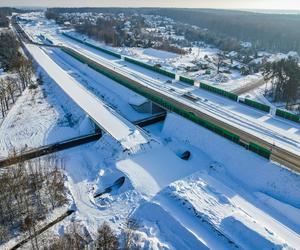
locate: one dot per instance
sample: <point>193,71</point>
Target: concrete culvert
<point>185,155</point>
<point>116,185</point>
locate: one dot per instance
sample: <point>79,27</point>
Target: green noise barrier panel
<point>260,150</point>
<point>150,67</point>
<point>109,52</point>
<point>219,91</point>
<point>256,105</point>
<point>287,115</point>
<point>187,80</point>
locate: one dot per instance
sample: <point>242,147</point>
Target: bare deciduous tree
<point>106,240</point>
<point>24,199</point>
<point>129,233</point>
<point>25,72</point>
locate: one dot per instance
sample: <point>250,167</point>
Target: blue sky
<point>227,4</point>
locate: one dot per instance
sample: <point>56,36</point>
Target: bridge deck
<point>121,129</point>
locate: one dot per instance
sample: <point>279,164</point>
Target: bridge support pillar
<point>147,107</point>
<point>88,126</point>
<point>155,108</point>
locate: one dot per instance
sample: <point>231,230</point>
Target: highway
<point>225,110</point>
<point>284,146</point>
<point>152,170</point>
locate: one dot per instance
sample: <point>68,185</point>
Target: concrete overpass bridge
<point>130,136</point>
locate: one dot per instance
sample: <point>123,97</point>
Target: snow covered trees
<point>25,199</point>
<point>285,78</point>
<point>9,51</point>
<point>11,87</point>
<point>77,237</point>
<point>8,91</point>
<point>72,239</point>
<point>4,13</point>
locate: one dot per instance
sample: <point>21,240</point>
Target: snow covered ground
<point>33,121</point>
<point>209,202</point>
<point>115,95</point>
<point>223,197</point>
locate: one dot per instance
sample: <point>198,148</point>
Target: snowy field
<point>33,121</point>
<point>223,197</point>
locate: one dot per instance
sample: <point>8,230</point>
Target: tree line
<point>5,12</point>
<point>284,76</point>
<point>77,238</point>
<point>30,190</point>
<point>20,67</point>
<point>272,32</point>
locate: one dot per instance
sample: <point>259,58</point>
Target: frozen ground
<point>33,121</point>
<point>223,197</point>
<point>214,199</point>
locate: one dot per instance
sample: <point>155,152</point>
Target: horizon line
<point>145,7</point>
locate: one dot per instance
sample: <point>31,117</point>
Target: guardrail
<point>153,97</point>
<point>235,134</point>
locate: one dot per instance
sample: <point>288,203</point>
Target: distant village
<point>163,33</point>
